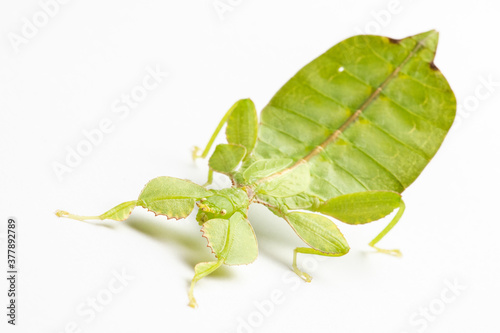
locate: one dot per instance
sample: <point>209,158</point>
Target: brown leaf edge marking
<point>209,245</point>
<point>168,217</point>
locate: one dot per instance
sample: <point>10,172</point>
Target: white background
<point>65,78</point>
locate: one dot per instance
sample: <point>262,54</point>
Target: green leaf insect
<point>343,138</point>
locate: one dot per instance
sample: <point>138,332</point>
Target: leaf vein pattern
<point>287,134</point>
<point>298,114</point>
<point>328,182</point>
<point>305,84</point>
<point>348,172</point>
<point>415,150</point>
<point>404,108</point>
<point>374,160</point>
<point>413,78</point>
<point>272,146</point>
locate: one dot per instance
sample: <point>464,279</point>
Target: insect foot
<point>303,275</point>
<point>196,150</point>
<point>61,213</point>
<point>394,252</point>
<point>192,303</point>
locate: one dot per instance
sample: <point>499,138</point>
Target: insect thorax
<point>223,204</point>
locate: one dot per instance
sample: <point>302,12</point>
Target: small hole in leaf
<point>341,69</point>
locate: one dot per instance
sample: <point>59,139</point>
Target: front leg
<point>242,125</point>
<point>205,152</point>
<point>241,134</point>
<point>232,241</point>
<point>169,196</point>
<point>225,160</point>
<point>200,271</point>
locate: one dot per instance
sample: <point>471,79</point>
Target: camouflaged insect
<point>344,137</point>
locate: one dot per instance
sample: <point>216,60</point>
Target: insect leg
<point>317,231</point>
<point>381,235</point>
<point>118,213</point>
<point>365,207</point>
<point>233,243</point>
<point>307,250</point>
<point>214,136</point>
<point>210,177</point>
<point>201,270</point>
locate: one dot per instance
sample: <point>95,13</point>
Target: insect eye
<point>223,212</point>
<point>203,207</point>
<point>203,199</point>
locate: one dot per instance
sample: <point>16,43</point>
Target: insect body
<point>344,138</point>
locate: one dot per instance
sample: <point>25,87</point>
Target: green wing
<point>368,114</point>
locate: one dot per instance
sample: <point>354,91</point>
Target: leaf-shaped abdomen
<point>379,109</point>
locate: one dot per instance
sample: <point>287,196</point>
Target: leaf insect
<point>344,137</point>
